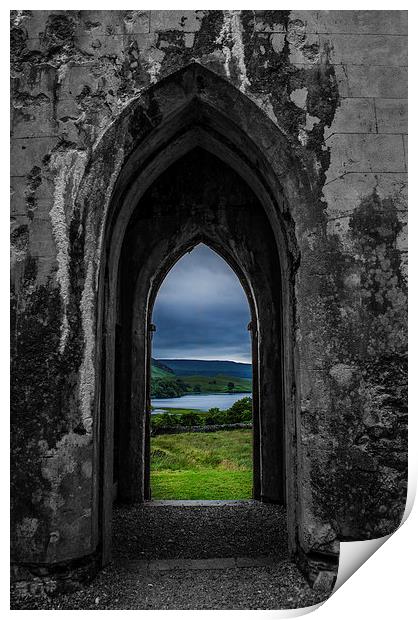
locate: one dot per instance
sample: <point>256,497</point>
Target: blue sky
<point>201,311</point>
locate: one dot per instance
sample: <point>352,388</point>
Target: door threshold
<point>199,502</point>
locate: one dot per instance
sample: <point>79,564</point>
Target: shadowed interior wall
<point>310,108</point>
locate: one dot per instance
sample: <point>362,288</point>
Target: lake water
<point>203,402</point>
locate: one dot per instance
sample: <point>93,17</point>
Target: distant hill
<point>171,378</point>
<point>208,368</point>
<point>160,371</point>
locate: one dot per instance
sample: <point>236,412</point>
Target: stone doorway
<point>198,199</point>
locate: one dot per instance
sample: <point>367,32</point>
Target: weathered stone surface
<point>309,108</point>
<point>29,151</point>
<point>344,194</point>
<point>353,49</point>
<point>354,22</point>
<point>372,81</point>
<point>405,148</point>
<point>188,21</point>
<point>354,116</point>
<point>392,115</point>
<point>365,153</point>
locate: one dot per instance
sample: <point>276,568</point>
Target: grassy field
<point>202,465</point>
<point>218,383</point>
<point>178,410</point>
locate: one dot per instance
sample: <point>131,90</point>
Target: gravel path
<point>277,587</point>
<point>251,571</point>
<point>245,528</point>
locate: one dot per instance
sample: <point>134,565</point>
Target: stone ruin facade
<point>279,139</point>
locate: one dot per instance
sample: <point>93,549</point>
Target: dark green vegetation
<point>160,370</point>
<point>202,465</point>
<point>172,386</point>
<point>240,411</point>
<point>219,383</point>
<point>166,383</point>
<point>168,387</point>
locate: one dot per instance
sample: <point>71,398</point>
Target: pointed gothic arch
<point>192,110</point>
<point>163,269</point>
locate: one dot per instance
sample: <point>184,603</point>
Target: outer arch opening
<point>124,213</point>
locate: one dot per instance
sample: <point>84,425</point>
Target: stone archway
<point>199,199</point>
<point>196,124</point>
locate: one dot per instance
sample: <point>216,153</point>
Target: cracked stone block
<point>365,153</point>
<point>385,50</point>
<point>392,115</point>
<point>353,115</point>
<point>376,81</point>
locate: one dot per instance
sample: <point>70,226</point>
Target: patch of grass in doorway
<point>202,465</point>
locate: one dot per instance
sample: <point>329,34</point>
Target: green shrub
<point>162,420</point>
<point>239,412</point>
<point>213,416</point>
<point>191,418</point>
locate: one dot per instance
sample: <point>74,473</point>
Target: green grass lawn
<point>202,465</point>
<point>178,410</point>
<point>219,383</point>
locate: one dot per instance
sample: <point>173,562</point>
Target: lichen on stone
<point>231,40</point>
<point>68,165</point>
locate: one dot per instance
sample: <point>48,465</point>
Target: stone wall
<point>333,83</point>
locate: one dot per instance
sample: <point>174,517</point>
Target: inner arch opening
<point>201,383</point>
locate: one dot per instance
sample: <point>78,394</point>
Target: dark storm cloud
<point>201,311</point>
